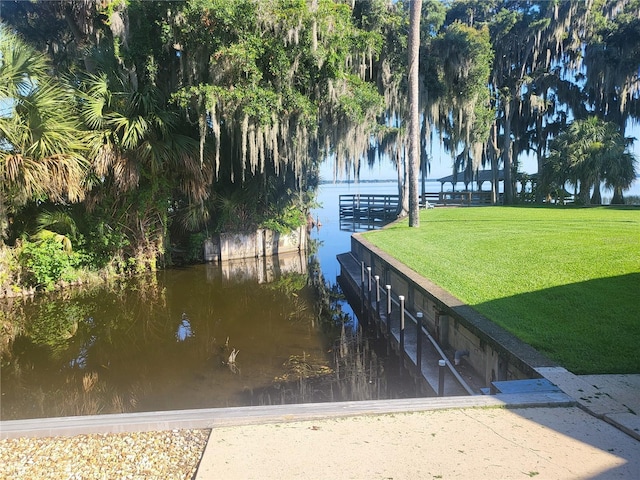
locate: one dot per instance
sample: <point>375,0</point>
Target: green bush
<point>632,200</point>
<point>195,249</point>
<point>103,246</point>
<point>45,262</point>
<point>289,219</point>
<point>9,268</point>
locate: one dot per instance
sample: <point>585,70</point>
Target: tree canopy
<point>147,123</point>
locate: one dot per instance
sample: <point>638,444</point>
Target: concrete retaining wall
<point>494,353</point>
<point>261,243</point>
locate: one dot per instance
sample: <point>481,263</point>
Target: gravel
<point>173,454</point>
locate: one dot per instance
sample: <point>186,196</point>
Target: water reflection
<point>360,370</point>
<point>163,342</point>
<point>184,329</point>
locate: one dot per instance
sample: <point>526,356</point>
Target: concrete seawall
<point>261,243</point>
<point>493,353</point>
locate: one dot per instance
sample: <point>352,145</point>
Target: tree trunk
<point>583,193</point>
<point>596,197</point>
<point>618,198</point>
<point>4,220</point>
<point>507,152</point>
<point>493,153</point>
<point>314,27</point>
<point>403,203</point>
<point>540,150</point>
<point>414,112</point>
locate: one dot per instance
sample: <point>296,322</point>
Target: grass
<point>564,280</point>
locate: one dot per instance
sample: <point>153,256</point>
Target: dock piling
<point>401,298</point>
<point>442,364</point>
<point>388,287</point>
<point>362,286</point>
<point>377,279</point>
<point>419,342</point>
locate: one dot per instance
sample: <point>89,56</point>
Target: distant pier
<point>367,211</point>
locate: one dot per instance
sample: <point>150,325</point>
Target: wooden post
<point>419,342</point>
<point>442,365</point>
<point>362,286</point>
<point>377,279</point>
<point>401,298</point>
<point>388,287</point>
<point>369,286</point>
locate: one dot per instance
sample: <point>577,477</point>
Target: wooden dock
<point>419,351</point>
<point>367,211</point>
<point>361,212</point>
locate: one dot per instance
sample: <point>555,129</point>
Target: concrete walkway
<point>612,398</point>
<point>590,434</point>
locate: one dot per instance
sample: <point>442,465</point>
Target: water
<point>169,341</point>
<point>157,344</point>
<point>334,240</point>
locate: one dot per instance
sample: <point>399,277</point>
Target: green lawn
<point>564,280</point>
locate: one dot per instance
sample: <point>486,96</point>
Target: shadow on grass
<point>587,327</point>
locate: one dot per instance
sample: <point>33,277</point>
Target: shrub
<point>289,219</point>
<point>45,262</point>
<point>632,200</point>
<point>9,268</point>
<point>195,252</point>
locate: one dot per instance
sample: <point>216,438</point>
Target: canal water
<point>246,333</point>
<point>334,235</point>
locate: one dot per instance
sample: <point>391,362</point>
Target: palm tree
<point>41,143</point>
<point>619,172</point>
<point>589,152</point>
<point>554,174</point>
<point>140,158</point>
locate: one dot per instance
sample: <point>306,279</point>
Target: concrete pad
<point>591,397</point>
<point>614,398</point>
<point>470,443</point>
<point>625,389</point>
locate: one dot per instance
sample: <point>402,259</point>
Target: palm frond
<point>59,221</point>
<point>44,235</point>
